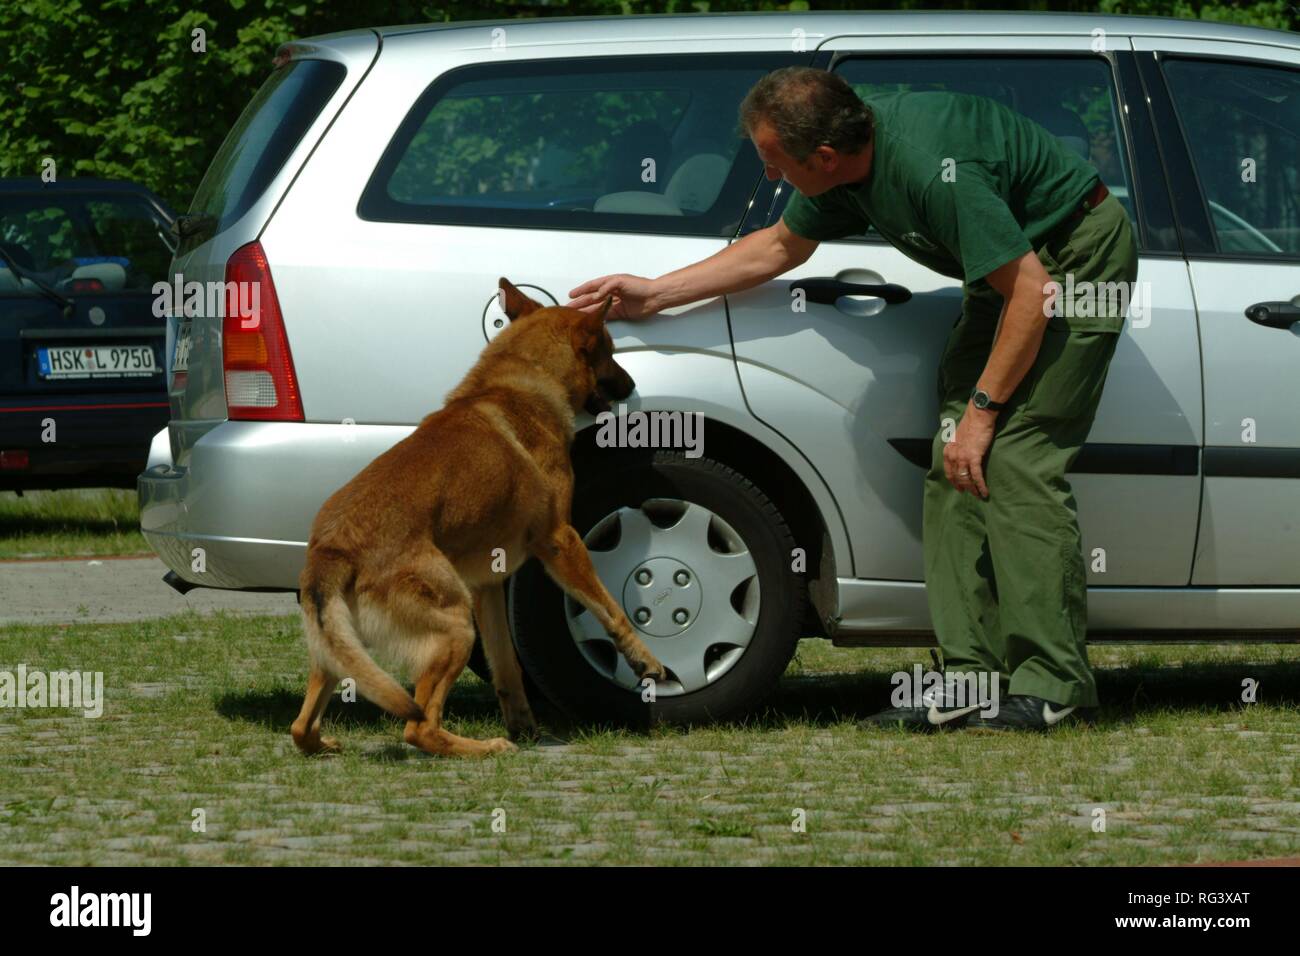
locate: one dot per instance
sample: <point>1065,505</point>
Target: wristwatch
<point>980,399</point>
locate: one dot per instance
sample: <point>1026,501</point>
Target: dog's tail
<point>333,640</point>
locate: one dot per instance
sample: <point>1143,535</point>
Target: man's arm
<point>1022,284</point>
<point>748,262</point>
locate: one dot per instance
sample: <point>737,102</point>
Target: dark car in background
<point>82,355</point>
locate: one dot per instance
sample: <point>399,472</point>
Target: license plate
<point>96,361</point>
<point>181,358</point>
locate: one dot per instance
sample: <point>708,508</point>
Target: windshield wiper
<point>45,288</point>
<point>196,227</point>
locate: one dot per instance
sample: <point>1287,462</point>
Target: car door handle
<point>1274,315</point>
<point>825,291</point>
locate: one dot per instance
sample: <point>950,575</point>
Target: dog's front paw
<point>499,745</point>
<point>646,666</point>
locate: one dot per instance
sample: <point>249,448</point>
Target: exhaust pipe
<point>181,586</point>
<point>178,583</point>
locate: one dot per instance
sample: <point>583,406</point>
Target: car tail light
<point>87,285</point>
<point>16,460</point>
<point>260,380</point>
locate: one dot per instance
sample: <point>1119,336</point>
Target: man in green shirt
<point>975,191</point>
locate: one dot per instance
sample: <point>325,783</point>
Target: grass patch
<point>198,708</point>
<point>70,523</point>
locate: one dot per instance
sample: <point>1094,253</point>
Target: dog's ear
<point>513,302</point>
<point>587,331</point>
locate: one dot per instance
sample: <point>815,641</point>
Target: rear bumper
<point>238,512</point>
<point>75,442</point>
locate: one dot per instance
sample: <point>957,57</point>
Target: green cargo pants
<point>1005,577</point>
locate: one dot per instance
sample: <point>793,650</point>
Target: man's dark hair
<point>808,108</point>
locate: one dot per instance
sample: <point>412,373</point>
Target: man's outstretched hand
<point>633,296</point>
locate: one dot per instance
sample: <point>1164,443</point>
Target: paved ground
<point>111,590</point>
<point>191,762</point>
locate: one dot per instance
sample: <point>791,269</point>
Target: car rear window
<point>66,236</point>
<point>260,142</point>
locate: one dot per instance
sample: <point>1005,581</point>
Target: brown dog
<point>427,533</point>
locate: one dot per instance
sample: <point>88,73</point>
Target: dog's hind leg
<point>430,605</point>
<point>450,650</point>
<point>507,679</point>
<point>306,729</point>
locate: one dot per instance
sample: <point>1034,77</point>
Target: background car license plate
<point>96,361</point>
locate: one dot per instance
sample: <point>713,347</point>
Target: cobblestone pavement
<point>191,762</point>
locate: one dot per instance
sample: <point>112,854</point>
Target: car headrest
<point>1078,144</point>
<point>630,147</point>
<point>695,185</point>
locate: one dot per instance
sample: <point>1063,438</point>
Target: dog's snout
<point>618,386</point>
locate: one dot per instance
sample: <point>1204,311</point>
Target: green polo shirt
<point>958,183</point>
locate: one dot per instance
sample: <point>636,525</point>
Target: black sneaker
<point>932,714</point>
<point>1023,712</point>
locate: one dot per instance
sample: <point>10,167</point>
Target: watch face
<point>981,399</point>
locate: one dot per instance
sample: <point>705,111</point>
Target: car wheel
<point>700,560</point>
<point>477,662</point>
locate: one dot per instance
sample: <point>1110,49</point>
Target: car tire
<point>731,521</point>
<point>477,662</point>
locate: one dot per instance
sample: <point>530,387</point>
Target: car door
<point>854,384</point>
<point>1235,129</point>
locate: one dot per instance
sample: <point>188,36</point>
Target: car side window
<point>1072,97</point>
<point>1241,122</point>
<point>639,144</point>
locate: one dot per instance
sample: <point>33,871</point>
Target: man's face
<point>812,177</point>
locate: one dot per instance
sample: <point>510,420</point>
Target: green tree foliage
<point>116,88</point>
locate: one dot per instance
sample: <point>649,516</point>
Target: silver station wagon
<point>382,180</point>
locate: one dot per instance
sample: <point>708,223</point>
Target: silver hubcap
<point>688,585</point>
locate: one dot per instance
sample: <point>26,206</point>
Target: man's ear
<point>828,160</point>
<point>513,302</point>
